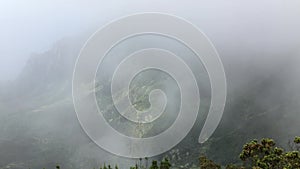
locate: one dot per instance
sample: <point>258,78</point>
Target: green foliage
<point>165,164</point>
<point>297,140</point>
<point>263,155</point>
<point>154,165</point>
<point>205,163</point>
<point>255,154</point>
<point>232,166</point>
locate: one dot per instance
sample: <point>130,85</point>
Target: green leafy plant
<point>263,155</point>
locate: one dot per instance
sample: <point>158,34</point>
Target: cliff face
<point>39,117</point>
<point>45,71</point>
<point>266,107</point>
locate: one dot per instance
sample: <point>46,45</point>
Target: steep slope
<point>39,117</point>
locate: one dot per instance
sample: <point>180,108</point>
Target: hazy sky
<point>32,26</point>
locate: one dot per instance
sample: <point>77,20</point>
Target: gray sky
<point>32,26</point>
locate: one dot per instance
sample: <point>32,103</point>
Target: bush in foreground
<point>262,154</point>
<point>255,154</point>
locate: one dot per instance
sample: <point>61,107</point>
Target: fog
<point>258,43</point>
<point>33,26</point>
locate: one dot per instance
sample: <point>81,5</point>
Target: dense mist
<point>258,43</point>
